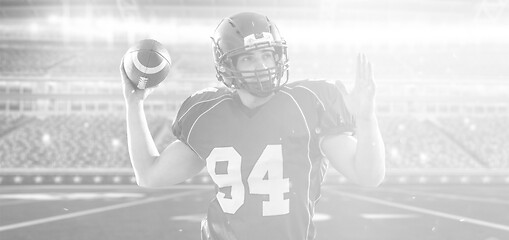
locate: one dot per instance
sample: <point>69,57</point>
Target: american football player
<point>265,142</point>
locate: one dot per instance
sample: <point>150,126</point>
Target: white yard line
<point>94,211</point>
<point>10,189</point>
<point>447,196</point>
<point>421,210</point>
<point>16,202</point>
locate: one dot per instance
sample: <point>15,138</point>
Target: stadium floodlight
<point>76,179</point>
<point>423,157</point>
<point>422,179</point>
<point>444,179</point>
<point>402,179</point>
<point>38,179</point>
<point>394,152</point>
<point>486,179</point>
<point>205,179</point>
<point>97,179</point>
<point>342,179</point>
<point>117,179</point>
<point>18,179</point>
<point>58,179</point>
<point>464,179</point>
<point>133,179</point>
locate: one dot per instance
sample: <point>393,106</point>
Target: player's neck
<point>251,101</point>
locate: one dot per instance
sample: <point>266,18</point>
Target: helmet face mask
<point>242,34</point>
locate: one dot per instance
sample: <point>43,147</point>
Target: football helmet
<point>240,34</point>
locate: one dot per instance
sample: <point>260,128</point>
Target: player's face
<point>260,59</point>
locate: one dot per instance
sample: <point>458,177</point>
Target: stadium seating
<point>84,140</point>
<point>75,141</point>
<point>486,137</point>
<point>86,62</point>
<point>416,144</point>
<point>31,62</point>
<point>99,141</point>
<point>452,62</point>
<point>9,123</point>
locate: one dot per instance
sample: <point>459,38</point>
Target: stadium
<point>442,76</point>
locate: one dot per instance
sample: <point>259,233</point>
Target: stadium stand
<point>453,62</point>
<point>98,141</point>
<point>486,137</point>
<point>74,141</point>
<point>74,110</point>
<point>91,61</point>
<point>416,144</point>
<point>31,62</point>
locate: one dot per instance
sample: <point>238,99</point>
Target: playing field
<point>392,212</point>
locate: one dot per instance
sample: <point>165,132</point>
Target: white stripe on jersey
<point>309,158</point>
<point>204,101</point>
<point>316,95</point>
<point>195,121</point>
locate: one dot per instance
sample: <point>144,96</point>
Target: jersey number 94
<point>269,164</point>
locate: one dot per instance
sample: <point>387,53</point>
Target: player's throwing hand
<point>361,100</point>
<point>131,94</point>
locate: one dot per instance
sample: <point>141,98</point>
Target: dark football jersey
<point>265,162</point>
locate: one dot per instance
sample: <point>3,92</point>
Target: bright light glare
<point>423,157</point>
<point>318,32</point>
<point>34,28</point>
<point>393,34</point>
<point>394,152</point>
<point>115,142</point>
<point>53,19</point>
<point>46,138</point>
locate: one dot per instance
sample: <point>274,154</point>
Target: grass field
<point>390,212</point>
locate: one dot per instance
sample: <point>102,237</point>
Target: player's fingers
<point>361,70</point>
<point>371,79</point>
<point>121,63</point>
<point>358,75</point>
<point>123,74</point>
<point>370,76</point>
<point>125,79</point>
<point>365,67</point>
<point>368,73</point>
<point>121,69</point>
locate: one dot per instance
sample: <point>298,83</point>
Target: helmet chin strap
<point>258,87</point>
<point>250,81</point>
<point>258,92</point>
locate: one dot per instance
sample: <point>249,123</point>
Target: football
<point>147,63</point>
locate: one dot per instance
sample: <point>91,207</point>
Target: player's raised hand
<point>132,94</point>
<point>361,100</point>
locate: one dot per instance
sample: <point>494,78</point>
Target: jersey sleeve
<point>334,117</point>
<point>179,124</point>
<point>190,110</point>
